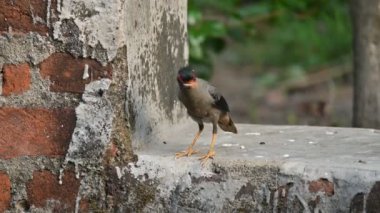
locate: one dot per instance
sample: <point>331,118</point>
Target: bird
<point>204,104</point>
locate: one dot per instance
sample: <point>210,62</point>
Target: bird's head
<point>187,78</point>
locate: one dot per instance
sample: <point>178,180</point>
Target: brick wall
<point>27,16</point>
<point>37,110</point>
<point>41,129</point>
<point>65,75</point>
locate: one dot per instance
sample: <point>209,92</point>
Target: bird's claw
<point>203,159</point>
<point>187,153</point>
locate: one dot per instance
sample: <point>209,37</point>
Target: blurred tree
<point>291,36</point>
<point>366,22</point>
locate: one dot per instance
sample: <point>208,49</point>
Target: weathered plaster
<point>94,124</point>
<point>90,139</point>
<point>100,26</point>
<point>156,50</point>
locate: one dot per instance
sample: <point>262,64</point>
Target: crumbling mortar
<point>31,47</point>
<point>21,169</point>
<point>39,95</point>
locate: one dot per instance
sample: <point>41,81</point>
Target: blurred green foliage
<point>287,37</point>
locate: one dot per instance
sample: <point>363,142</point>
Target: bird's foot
<point>188,152</point>
<point>210,154</point>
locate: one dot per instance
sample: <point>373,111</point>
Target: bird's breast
<point>198,113</point>
<point>198,105</point>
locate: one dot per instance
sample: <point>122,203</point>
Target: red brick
<point>322,185</point>
<point>84,205</point>
<point>16,79</point>
<point>35,131</point>
<point>19,15</point>
<point>110,154</point>
<point>45,186</point>
<point>5,192</point>
<point>112,150</point>
<point>66,72</point>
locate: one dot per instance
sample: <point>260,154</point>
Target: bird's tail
<point>226,123</point>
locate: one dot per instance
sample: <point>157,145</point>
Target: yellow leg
<point>211,152</point>
<point>189,151</point>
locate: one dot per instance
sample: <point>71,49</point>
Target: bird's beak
<point>190,84</point>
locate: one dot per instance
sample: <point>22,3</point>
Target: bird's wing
<point>219,101</point>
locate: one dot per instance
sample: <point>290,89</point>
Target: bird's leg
<point>189,151</point>
<point>211,151</point>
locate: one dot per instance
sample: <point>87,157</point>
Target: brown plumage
<point>225,122</point>
<point>203,104</point>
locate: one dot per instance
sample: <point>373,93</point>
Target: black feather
<point>186,73</point>
<point>219,101</point>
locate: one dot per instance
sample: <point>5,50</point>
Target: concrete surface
<point>265,169</point>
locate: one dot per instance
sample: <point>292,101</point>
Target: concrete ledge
<point>265,169</point>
